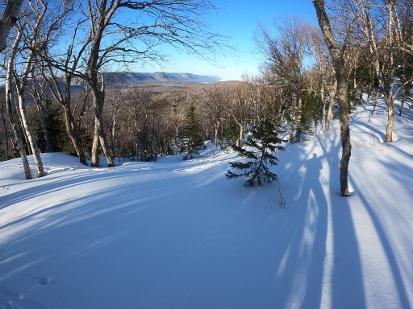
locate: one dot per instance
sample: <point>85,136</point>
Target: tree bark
<point>6,134</point>
<point>344,102</point>
<point>293,118</point>
<point>241,135</point>
<point>323,103</point>
<point>19,143</point>
<point>337,53</point>
<point>402,102</point>
<point>46,134</point>
<point>95,145</point>
<point>376,98</point>
<point>216,130</point>
<point>8,20</point>
<point>295,129</point>
<point>240,139</point>
<point>11,112</point>
<point>113,132</point>
<point>298,129</point>
<point>332,101</point>
<point>29,133</point>
<point>99,132</point>
<point>390,116</point>
<point>98,91</point>
<point>21,85</point>
<point>71,132</point>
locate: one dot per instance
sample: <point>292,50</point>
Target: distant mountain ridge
<point>159,81</point>
<point>135,78</point>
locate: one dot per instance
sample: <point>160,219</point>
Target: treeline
<point>142,125</point>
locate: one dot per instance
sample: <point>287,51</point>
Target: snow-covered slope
<point>177,234</point>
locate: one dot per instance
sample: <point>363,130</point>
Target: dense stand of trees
<point>366,44</point>
<point>55,97</point>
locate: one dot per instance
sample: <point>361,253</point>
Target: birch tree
<point>339,51</point>
<point>327,80</point>
<point>8,20</point>
<point>29,30</point>
<point>381,30</point>
<point>285,55</point>
<point>11,112</point>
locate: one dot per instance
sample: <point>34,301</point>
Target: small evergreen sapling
<point>191,139</point>
<point>259,151</point>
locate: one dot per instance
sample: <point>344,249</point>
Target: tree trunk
<point>241,134</point>
<point>370,90</point>
<point>298,129</point>
<point>240,138</point>
<point>376,98</point>
<point>11,112</point>
<point>102,139</point>
<point>323,102</point>
<point>216,130</point>
<point>20,147</point>
<point>293,116</point>
<point>8,20</point>
<point>390,116</point>
<point>6,135</point>
<point>332,100</point>
<point>113,135</point>
<point>337,52</point>
<point>361,100</point>
<point>402,103</point>
<point>344,102</point>
<point>29,133</point>
<point>95,146</point>
<point>71,132</point>
<point>46,134</point>
<point>99,132</point>
<point>295,129</point>
<point>98,91</point>
<point>11,117</point>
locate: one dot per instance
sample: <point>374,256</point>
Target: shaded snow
<point>177,234</point>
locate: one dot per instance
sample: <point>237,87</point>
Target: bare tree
<point>404,14</point>
<point>381,28</point>
<point>61,90</point>
<point>214,108</point>
<point>29,30</point>
<point>285,55</point>
<point>11,113</point>
<point>240,109</point>
<point>59,86</point>
<point>339,53</point>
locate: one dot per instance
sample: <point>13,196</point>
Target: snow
<point>178,234</point>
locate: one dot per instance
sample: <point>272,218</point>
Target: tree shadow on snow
<point>318,256</point>
<point>312,259</point>
<point>387,248</point>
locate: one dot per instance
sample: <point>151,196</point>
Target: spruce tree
<point>50,132</point>
<point>259,151</point>
<point>191,139</point>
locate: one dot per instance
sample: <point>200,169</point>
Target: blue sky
<point>238,20</point>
